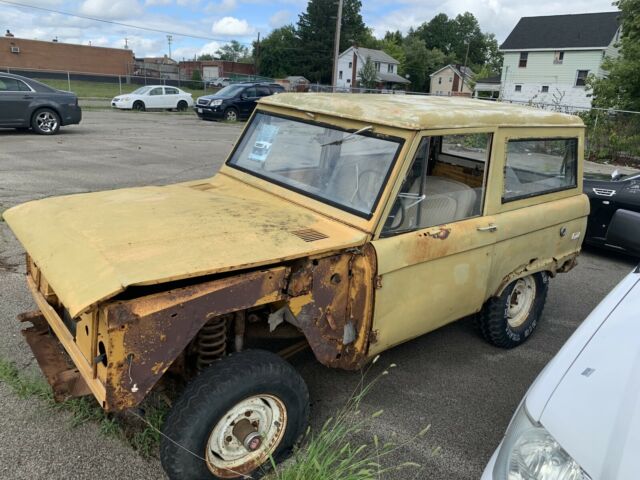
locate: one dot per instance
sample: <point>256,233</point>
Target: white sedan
<point>580,420</point>
<point>154,96</point>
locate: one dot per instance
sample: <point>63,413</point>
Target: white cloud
<point>231,26</point>
<point>224,6</point>
<point>280,18</point>
<point>111,9</point>
<point>151,3</point>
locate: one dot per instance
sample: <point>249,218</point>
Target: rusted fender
<point>148,333</point>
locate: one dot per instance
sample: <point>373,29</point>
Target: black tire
<point>139,106</point>
<point>212,395</point>
<point>493,320</point>
<point>182,106</point>
<point>231,115</point>
<point>45,121</point>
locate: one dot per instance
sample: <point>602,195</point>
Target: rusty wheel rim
<point>226,456</point>
<point>521,301</point>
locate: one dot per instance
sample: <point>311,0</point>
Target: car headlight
<point>215,103</point>
<point>529,452</point>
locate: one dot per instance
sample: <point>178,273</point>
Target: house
<point>548,59</point>
<point>350,63</point>
<point>488,87</point>
<point>452,80</point>
<point>158,67</point>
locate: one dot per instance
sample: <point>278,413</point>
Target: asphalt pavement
<point>451,379</point>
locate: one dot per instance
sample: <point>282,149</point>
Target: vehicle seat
<point>445,201</point>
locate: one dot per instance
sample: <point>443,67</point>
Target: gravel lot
<point>466,389</point>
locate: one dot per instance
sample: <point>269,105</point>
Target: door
<point>155,98</point>
<point>15,98</point>
<point>247,101</point>
<point>171,98</point>
<point>435,250</point>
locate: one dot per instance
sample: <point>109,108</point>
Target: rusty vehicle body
<point>136,281</point>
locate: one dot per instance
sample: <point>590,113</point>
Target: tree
<point>205,56</point>
<point>368,75</point>
<point>316,31</point>
<point>390,47</point>
<point>196,80</point>
<point>234,52</point>
<point>621,87</point>
<point>278,53</point>
<point>420,62</point>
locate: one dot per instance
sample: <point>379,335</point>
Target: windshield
<point>229,91</point>
<point>141,90</point>
<point>347,170</point>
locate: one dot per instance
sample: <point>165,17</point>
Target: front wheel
<point>231,115</point>
<point>509,320</point>
<point>45,122</point>
<point>139,106</point>
<point>182,106</point>
<point>235,416</point>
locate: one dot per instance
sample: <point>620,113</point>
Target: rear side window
<point>13,85</point>
<point>539,166</point>
<point>171,91</point>
<point>263,91</point>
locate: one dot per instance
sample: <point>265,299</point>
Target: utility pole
<point>169,40</point>
<point>464,69</point>
<point>336,50</point>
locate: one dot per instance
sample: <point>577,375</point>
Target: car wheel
<point>509,320</point>
<point>139,106</point>
<point>231,115</point>
<point>45,122</point>
<point>182,106</point>
<point>234,417</point>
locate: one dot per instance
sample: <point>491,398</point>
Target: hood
<point>90,247</point>
<point>592,392</point>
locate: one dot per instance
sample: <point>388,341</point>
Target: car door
<point>170,100</point>
<point>247,101</point>
<point>15,98</point>
<point>155,98</point>
<point>436,247</point>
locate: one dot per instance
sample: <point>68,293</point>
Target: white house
<point>452,80</point>
<point>351,61</point>
<point>547,59</point>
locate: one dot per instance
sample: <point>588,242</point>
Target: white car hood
<point>588,397</point>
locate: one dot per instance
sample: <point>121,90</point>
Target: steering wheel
<point>366,183</point>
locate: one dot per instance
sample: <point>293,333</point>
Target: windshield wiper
<point>348,137</point>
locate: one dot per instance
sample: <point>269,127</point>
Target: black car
<point>25,103</point>
<point>608,193</point>
<point>235,101</point>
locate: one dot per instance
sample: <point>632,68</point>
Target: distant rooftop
<point>583,30</point>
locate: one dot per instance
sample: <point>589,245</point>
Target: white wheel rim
<point>46,121</point>
<point>226,456</point>
<point>520,301</point>
<point>231,116</point>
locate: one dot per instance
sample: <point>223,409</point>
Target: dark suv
<point>235,101</point>
<point>25,103</point>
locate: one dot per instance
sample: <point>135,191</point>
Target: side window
<point>156,91</point>
<point>539,166</point>
<point>170,91</point>
<point>446,183</point>
<point>263,91</point>
<point>12,85</point>
<point>249,92</point>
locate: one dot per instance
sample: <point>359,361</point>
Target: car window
<point>539,166</point>
<point>156,91</point>
<point>446,183</point>
<point>250,92</point>
<point>263,91</point>
<point>170,91</point>
<point>13,85</point>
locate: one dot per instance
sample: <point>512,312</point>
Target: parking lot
<point>466,389</point>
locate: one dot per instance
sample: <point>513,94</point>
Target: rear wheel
<point>139,106</point>
<point>231,115</point>
<point>508,320</point>
<point>45,122</point>
<point>182,106</point>
<point>236,415</point>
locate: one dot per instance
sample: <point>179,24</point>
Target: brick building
<point>215,68</point>
<point>20,53</point>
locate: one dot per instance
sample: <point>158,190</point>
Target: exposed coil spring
<point>211,343</point>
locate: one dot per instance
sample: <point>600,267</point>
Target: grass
<point>86,89</point>
<point>143,438</point>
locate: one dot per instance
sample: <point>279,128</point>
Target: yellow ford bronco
<point>345,223</point>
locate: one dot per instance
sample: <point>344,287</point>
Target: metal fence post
<point>120,84</point>
<point>69,80</point>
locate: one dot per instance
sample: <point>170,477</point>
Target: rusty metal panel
<point>148,333</point>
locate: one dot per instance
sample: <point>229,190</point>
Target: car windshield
<point>344,169</point>
<point>141,91</point>
<point>229,91</point>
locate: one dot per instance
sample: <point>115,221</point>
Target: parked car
<point>154,96</point>
<point>220,82</point>
<point>607,194</point>
<point>27,103</point>
<point>234,102</point>
<point>346,223</point>
<point>580,419</point>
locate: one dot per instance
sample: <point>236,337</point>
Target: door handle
<point>489,228</point>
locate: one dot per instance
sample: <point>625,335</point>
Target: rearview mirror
<point>624,231</point>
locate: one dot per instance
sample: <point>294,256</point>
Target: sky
<point>219,21</point>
